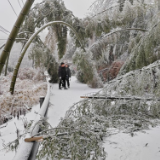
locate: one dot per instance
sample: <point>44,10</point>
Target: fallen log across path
<point>121,98</point>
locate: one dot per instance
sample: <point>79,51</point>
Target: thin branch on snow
<point>4,126</point>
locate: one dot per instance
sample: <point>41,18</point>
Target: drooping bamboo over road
<point>8,46</point>
<point>13,81</point>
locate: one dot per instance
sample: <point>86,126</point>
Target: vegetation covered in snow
<point>128,35</point>
<point>30,86</point>
<point>121,39</point>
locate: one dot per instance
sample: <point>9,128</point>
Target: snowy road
<point>142,146</point>
<point>62,100</point>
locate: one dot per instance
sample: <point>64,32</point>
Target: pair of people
<point>64,74</point>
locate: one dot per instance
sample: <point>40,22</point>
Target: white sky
<point>8,17</point>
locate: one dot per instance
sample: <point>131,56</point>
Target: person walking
<point>68,75</point>
<point>62,76</point>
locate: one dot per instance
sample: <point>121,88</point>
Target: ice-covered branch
<point>24,32</point>
<point>104,11</point>
<point>5,53</point>
<point>121,30</point>
<point>121,98</point>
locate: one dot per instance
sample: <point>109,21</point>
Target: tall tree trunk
<point>8,46</point>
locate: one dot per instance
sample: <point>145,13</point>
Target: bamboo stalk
<point>15,73</point>
<point>120,98</point>
<point>8,46</point>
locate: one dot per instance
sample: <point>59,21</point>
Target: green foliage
<point>61,35</point>
<point>89,27</point>
<point>141,58</point>
<point>99,29</point>
<point>46,12</point>
<point>53,70</point>
<point>80,76</point>
<point>84,66</point>
<point>95,27</point>
<point>86,70</point>
<point>121,4</point>
<point>43,59</point>
<point>145,51</point>
<point>38,56</point>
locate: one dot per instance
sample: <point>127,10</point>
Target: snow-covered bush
<point>78,136</point>
<point>31,74</point>
<point>29,87</point>
<point>111,45</point>
<point>145,51</point>
<point>53,70</point>
<point>80,133</point>
<point>87,72</point>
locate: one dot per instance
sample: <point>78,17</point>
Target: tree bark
<point>8,46</point>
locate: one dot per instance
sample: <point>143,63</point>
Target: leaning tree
<point>28,44</point>
<point>8,46</point>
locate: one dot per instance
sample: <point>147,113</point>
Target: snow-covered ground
<point>62,100</point>
<point>8,133</point>
<point>143,145</point>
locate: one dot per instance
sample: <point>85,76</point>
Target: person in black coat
<point>68,75</point>
<point>62,76</point>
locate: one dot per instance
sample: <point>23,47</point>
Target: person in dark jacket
<point>68,75</point>
<point>62,76</point>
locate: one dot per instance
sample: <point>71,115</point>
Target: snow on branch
<point>104,11</point>
<point>121,30</point>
